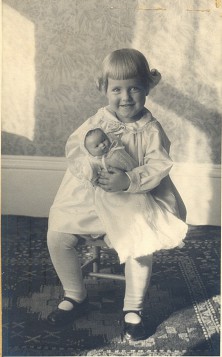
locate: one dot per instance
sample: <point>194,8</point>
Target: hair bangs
<point>122,68</point>
<point>124,63</point>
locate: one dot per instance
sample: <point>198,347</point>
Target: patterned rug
<point>181,308</point>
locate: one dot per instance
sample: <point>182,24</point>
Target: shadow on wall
<point>197,118</point>
<point>23,145</point>
<point>177,40</point>
<point>71,39</point>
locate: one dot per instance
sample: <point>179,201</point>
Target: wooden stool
<point>94,262</point>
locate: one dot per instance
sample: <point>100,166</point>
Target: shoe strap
<point>66,298</point>
<point>137,312</point>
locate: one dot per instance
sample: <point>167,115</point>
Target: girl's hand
<point>114,180</point>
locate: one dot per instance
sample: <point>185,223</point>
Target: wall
<point>52,51</point>
<point>183,40</point>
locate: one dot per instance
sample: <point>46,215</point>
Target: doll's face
<point>97,143</point>
<point>126,98</point>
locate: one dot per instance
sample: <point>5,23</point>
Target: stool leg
<point>96,255</point>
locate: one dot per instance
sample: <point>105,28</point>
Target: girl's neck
<point>128,120</point>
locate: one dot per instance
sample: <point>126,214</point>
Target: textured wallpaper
<point>52,50</point>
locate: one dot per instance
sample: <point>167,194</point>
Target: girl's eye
<point>115,90</point>
<point>135,89</point>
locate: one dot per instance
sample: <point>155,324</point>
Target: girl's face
<point>97,143</point>
<point>126,98</point>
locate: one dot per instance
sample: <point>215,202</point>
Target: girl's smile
<point>126,98</point>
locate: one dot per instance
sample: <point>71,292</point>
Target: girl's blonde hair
<point>126,63</point>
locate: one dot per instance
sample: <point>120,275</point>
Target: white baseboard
<point>29,185</point>
<point>200,188</point>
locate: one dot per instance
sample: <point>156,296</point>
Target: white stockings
<point>66,263</point>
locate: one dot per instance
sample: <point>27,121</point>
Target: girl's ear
<point>155,77</point>
<point>100,85</point>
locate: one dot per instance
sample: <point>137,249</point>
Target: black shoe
<point>61,317</point>
<point>134,332</point>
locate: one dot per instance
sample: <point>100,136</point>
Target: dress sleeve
<point>157,164</point>
<point>78,162</point>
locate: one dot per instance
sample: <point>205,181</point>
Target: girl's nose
<point>125,95</point>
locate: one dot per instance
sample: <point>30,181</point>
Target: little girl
<point>125,80</point>
<point>128,219</point>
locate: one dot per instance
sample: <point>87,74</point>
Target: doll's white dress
<point>139,221</point>
<point>116,157</point>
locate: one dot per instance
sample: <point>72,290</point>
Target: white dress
<point>136,224</point>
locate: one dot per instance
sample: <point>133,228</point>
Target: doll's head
<point>127,63</point>
<point>97,142</point>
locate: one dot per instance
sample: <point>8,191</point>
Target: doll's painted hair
<point>91,132</point>
<point>126,63</point>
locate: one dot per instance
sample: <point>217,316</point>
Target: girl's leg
<point>137,275</point>
<point>66,263</point>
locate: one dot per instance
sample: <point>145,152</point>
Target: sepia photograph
<point>111,177</point>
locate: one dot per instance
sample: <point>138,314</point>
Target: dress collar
<point>139,125</point>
